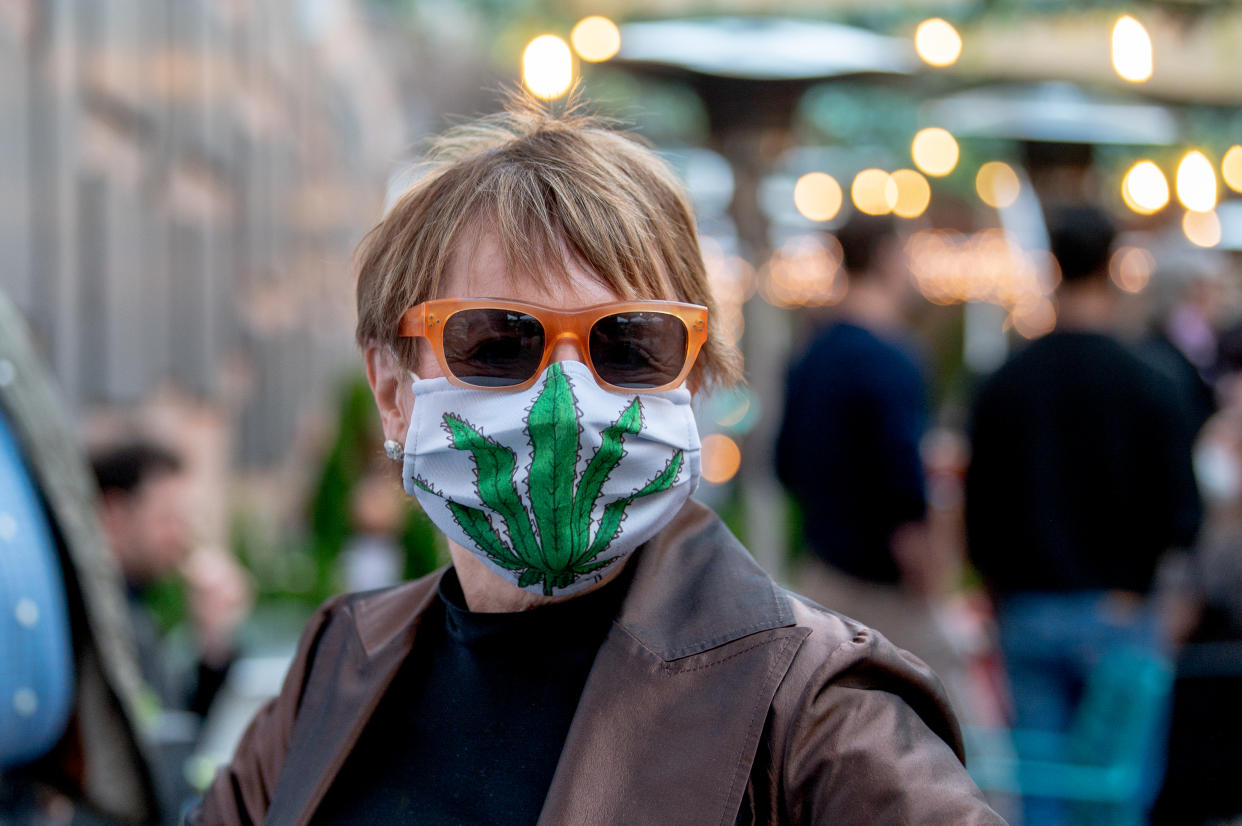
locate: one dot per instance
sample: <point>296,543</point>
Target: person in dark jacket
<point>848,451</point>
<point>1080,479</point>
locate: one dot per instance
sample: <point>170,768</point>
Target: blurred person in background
<point>534,315</point>
<point>849,452</point>
<point>1204,761</point>
<point>372,557</point>
<point>71,742</point>
<point>1182,341</point>
<point>1080,480</point>
<point>145,508</point>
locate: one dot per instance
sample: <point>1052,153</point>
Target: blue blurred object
<point>1102,766</point>
<point>36,682</point>
<point>733,410</point>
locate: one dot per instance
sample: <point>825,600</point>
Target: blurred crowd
<point>1067,561</point>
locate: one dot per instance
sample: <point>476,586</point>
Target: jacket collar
<point>694,588</point>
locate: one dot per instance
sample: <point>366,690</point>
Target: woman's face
<point>480,272</point>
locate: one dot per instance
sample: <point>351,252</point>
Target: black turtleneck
<point>472,726</point>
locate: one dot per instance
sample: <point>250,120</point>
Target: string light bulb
<point>818,196</point>
<point>547,67</point>
<point>1132,52</point>
<point>937,42</point>
<point>1196,182</point>
<point>934,151</point>
<point>596,39</point>
<point>1144,188</point>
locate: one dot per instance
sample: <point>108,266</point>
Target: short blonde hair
<point>546,184</point>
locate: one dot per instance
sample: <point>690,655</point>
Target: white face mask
<point>553,485</point>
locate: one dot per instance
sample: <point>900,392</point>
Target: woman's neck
<point>488,593</point>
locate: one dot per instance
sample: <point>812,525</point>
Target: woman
<point>534,315</point>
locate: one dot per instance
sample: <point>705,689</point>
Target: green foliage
<point>353,450</point>
<point>303,568</point>
<point>166,603</point>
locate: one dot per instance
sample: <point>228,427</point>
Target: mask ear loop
<point>393,352</point>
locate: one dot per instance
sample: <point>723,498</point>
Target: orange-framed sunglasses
<point>630,346</point>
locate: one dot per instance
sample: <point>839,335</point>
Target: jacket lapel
<point>354,664</point>
<point>672,713</point>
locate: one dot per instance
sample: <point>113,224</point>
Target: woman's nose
<point>568,348</point>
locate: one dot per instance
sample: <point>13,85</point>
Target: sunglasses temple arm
<point>413,323</point>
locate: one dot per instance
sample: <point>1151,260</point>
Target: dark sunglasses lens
<point>639,350</point>
<point>493,347</point>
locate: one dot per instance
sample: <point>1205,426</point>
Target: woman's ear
<point>390,384</point>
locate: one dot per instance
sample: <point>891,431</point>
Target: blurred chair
<point>1103,767</point>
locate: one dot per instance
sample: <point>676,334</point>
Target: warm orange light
<point>937,42</point>
<point>1131,268</point>
<point>805,271</point>
<point>596,39</point>
<point>1202,228</point>
<point>997,184</point>
<point>1034,318</point>
<point>1231,168</point>
<point>817,195</point>
<point>547,67</point>
<point>721,458</point>
<point>1145,189</point>
<point>874,192</point>
<point>1196,182</point>
<point>1132,52</point>
<point>934,151</point>
<point>913,193</point>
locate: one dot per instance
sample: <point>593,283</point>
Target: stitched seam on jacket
<point>672,669</point>
<point>720,639</point>
<point>803,707</point>
<point>760,704</point>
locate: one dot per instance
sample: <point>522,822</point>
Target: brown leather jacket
<point>717,697</point>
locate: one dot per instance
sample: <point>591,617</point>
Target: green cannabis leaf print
<point>552,543</point>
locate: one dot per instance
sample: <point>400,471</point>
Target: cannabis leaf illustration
<point>551,544</point>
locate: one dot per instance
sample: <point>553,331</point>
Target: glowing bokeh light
<point>547,67</point>
<point>934,151</point>
<point>937,42</point>
<point>1131,268</point>
<point>720,457</point>
<point>1202,228</point>
<point>1231,168</point>
<point>1132,52</point>
<point>805,271</point>
<point>988,266</point>
<point>1145,189</point>
<point>997,184</point>
<point>1034,317</point>
<point>874,192</point>
<point>818,196</point>
<point>596,39</point>
<point>1196,182</point>
<point>913,193</point>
